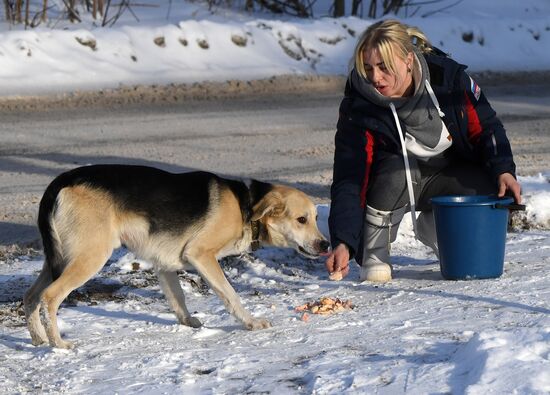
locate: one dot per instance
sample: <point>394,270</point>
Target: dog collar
<point>255,225</point>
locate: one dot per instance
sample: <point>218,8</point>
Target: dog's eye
<point>301,220</point>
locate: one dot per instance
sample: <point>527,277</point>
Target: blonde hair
<point>391,38</point>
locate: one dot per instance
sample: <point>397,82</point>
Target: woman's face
<point>383,80</point>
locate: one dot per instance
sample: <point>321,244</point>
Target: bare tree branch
<point>441,9</point>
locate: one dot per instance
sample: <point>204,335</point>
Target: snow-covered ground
<point>417,334</point>
<point>189,43</point>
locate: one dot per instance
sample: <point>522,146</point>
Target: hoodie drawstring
<point>406,156</point>
<point>434,99</point>
<point>407,167</point>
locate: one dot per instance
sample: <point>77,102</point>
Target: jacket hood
<point>417,112</point>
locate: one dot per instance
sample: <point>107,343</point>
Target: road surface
<point>284,138</point>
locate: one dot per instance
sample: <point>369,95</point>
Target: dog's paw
<point>192,322</point>
<point>258,324</point>
<point>66,345</point>
<point>37,341</point>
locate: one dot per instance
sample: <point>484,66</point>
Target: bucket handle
<point>515,207</point>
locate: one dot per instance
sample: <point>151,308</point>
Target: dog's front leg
<point>170,284</point>
<point>212,273</point>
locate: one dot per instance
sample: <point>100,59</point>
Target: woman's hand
<point>338,260</point>
<point>507,182</point>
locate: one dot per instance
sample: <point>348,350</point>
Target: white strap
<point>434,99</point>
<point>407,168</point>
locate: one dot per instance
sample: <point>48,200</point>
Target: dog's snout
<point>324,245</point>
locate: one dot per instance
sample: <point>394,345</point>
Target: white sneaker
<point>376,272</point>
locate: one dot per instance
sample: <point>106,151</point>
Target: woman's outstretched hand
<point>507,182</point>
<point>338,260</point>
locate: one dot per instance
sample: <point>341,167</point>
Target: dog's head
<point>289,219</point>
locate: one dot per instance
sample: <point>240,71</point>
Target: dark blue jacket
<point>364,129</point>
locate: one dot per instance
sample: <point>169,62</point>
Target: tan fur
<point>88,225</point>
<point>278,211</point>
<point>85,226</point>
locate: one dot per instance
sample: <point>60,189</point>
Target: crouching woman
<point>413,125</point>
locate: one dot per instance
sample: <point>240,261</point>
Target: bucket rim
<point>470,200</point>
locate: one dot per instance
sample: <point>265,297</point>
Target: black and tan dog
<point>167,219</point>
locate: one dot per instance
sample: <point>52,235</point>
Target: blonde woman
<point>413,125</point>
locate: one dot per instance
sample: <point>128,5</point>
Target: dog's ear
<point>270,205</point>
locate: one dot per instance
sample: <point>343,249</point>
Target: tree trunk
<point>355,7</point>
<point>339,8</point>
<point>18,4</point>
<point>27,11</point>
<point>44,10</point>
<point>372,8</point>
<point>7,10</point>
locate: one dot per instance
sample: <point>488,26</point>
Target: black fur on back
<point>258,190</point>
<point>240,190</point>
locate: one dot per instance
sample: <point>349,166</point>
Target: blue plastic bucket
<point>471,235</point>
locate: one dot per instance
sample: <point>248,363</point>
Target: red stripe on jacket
<point>369,148</point>
<point>474,126</point>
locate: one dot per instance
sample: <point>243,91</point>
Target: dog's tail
<point>53,253</point>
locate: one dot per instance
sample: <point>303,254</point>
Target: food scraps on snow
<point>324,306</point>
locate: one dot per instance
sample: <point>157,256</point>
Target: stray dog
<point>170,220</point>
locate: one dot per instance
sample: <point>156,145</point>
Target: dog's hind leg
<point>170,284</point>
<point>80,269</point>
<point>87,230</point>
<point>212,273</point>
<point>31,302</point>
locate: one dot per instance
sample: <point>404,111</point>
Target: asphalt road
<point>282,138</point>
